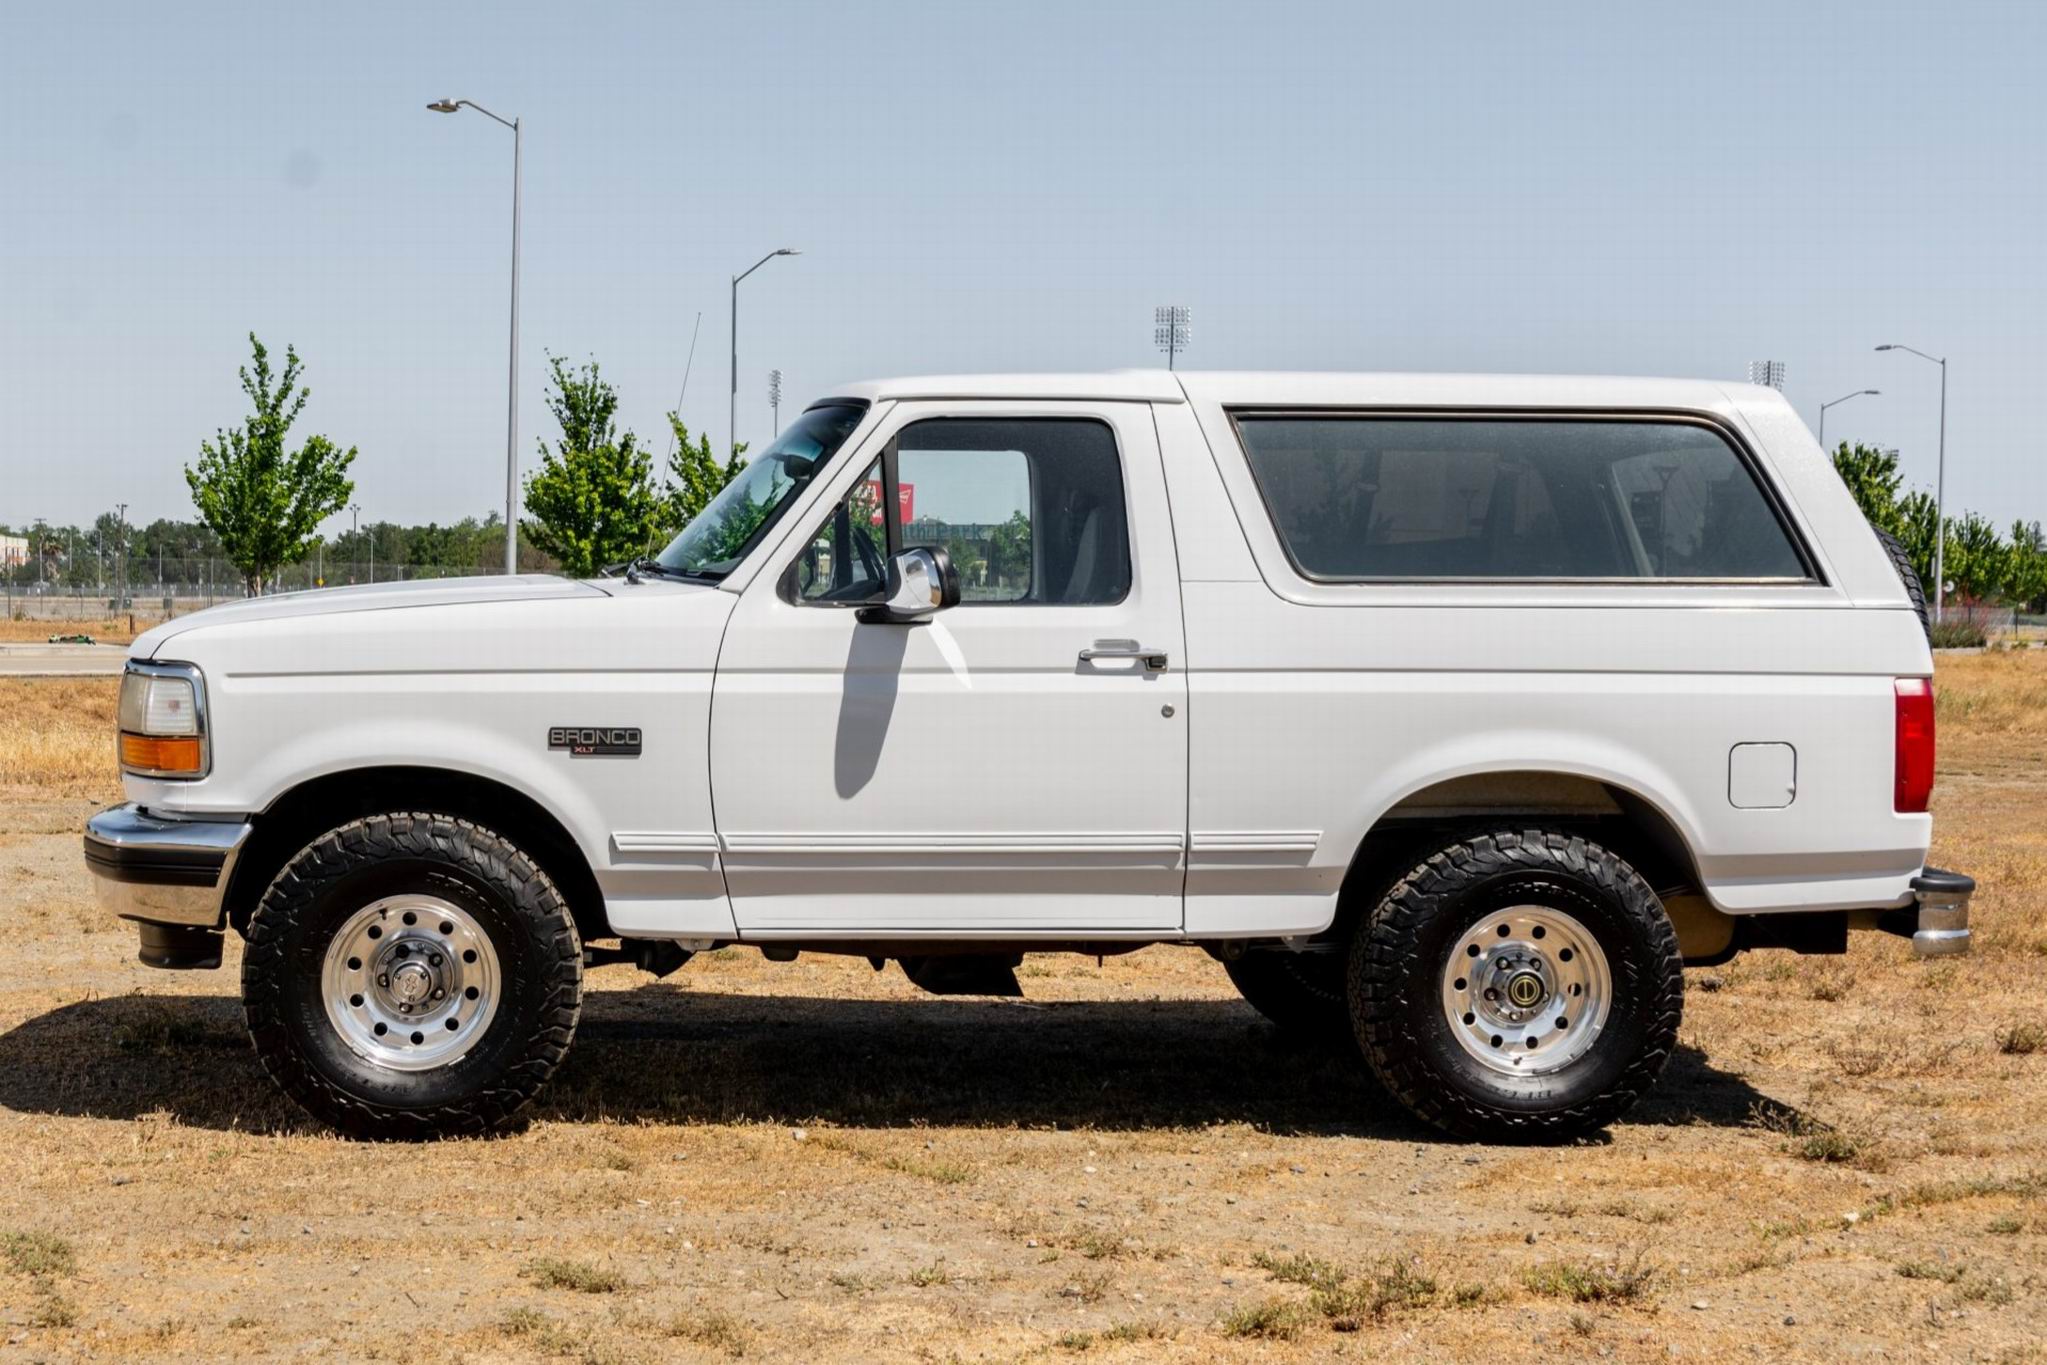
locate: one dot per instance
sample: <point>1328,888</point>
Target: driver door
<point>1013,765</point>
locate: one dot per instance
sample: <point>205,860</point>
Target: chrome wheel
<point>410,982</point>
<point>1527,990</point>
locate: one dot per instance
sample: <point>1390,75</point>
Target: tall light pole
<point>1170,331</point>
<point>121,555</point>
<point>1837,403</point>
<point>1939,482</point>
<point>775,398</point>
<point>446,106</point>
<point>732,401</point>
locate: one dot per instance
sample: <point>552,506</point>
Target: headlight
<point>163,721</point>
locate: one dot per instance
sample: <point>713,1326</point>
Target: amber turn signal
<point>162,756</point>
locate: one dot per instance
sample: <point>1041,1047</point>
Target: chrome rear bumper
<point>161,871</point>
<point>1943,904</point>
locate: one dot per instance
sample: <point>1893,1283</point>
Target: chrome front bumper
<point>161,871</point>
<point>1943,904</point>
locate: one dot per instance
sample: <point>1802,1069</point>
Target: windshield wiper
<point>644,565</point>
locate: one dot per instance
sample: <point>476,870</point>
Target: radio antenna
<point>685,378</point>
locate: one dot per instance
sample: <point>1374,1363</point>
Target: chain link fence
<point>177,587</point>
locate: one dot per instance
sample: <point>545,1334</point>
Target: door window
<point>1030,509</point>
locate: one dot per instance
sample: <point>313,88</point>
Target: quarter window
<point>1370,497</point>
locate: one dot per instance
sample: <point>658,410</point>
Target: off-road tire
<point>529,927</point>
<point>1396,968</point>
<point>1305,994</point>
<point>1901,560</point>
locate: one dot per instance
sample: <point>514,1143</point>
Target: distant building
<point>13,551</point>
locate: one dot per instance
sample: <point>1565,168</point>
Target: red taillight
<point>1913,778</point>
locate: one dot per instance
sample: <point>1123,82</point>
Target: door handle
<point>1154,660</point>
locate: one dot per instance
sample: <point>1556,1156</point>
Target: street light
<point>732,402</point>
<point>1939,482</point>
<point>1859,393</point>
<point>446,106</point>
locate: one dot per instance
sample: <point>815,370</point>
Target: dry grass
<point>57,735</point>
<point>2000,692</point>
<point>28,629</point>
<point>1127,1165</point>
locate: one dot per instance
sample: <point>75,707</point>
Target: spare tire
<point>1909,576</point>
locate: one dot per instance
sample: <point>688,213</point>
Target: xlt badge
<point>584,741</point>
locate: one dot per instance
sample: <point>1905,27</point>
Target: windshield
<point>730,525</point>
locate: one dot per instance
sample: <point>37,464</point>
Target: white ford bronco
<point>1452,714</point>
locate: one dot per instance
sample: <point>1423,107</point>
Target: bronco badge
<point>584,741</point>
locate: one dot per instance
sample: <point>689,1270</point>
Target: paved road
<point>61,661</point>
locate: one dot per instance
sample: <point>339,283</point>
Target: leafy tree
<point>694,474</point>
<point>1873,479</point>
<point>592,499</point>
<point>1978,560</point>
<point>1009,553</point>
<point>2026,578</point>
<point>263,502</point>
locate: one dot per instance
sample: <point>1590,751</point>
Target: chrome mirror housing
<point>920,581</point>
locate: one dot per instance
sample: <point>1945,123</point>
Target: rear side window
<point>1376,497</point>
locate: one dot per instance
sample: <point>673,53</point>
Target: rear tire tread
<point>1383,969</point>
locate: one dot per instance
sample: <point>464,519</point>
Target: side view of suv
<point>1452,714</point>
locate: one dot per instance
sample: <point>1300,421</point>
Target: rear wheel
<point>1303,993</point>
<point>412,975</point>
<point>1518,984</point>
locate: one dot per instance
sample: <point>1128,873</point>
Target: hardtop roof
<point>1255,388</point>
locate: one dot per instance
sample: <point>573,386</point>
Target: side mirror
<point>920,582</point>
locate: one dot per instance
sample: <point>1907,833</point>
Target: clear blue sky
<point>1641,189</point>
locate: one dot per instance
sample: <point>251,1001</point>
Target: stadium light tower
<point>1170,330</point>
<point>775,398</point>
<point>1766,372</point>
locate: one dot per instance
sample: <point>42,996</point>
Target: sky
<point>1604,188</point>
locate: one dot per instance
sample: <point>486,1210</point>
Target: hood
<point>439,592</point>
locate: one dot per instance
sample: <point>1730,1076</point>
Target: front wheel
<point>1303,993</point>
<point>1518,984</point>
<point>412,975</point>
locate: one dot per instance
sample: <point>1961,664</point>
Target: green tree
<point>1009,555</point>
<point>592,499</point>
<point>1874,481</point>
<point>694,474</point>
<point>2026,575</point>
<point>264,503</point>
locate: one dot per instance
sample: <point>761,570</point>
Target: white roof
<point>1311,389</point>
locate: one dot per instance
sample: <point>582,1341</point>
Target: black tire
<point>1901,560</point>
<point>540,961</point>
<point>1397,969</point>
<point>1303,993</point>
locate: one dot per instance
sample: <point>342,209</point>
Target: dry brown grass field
<point>812,1162</point>
<point>27,629</point>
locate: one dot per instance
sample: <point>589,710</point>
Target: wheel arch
<point>303,812</point>
<point>1617,814</point>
